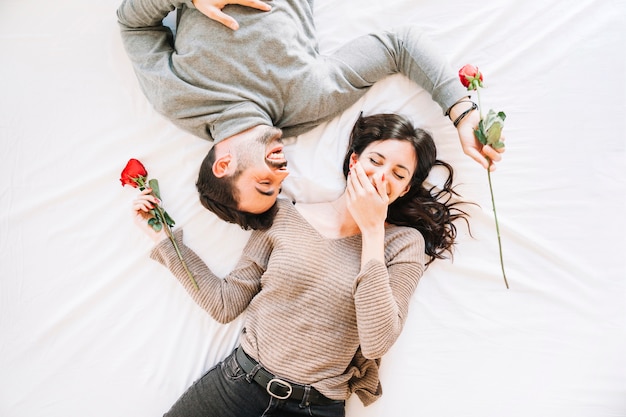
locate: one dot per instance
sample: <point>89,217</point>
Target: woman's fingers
<point>145,201</point>
<point>381,187</point>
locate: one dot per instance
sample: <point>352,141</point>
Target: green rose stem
<point>493,200</point>
<point>168,231</point>
<point>495,216</point>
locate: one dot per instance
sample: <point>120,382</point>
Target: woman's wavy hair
<point>220,196</point>
<point>432,211</point>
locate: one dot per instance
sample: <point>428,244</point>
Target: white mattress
<point>89,326</point>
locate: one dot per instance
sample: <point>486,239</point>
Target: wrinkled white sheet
<point>89,326</point>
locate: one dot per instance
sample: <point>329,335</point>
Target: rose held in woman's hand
<point>132,172</point>
<point>135,175</point>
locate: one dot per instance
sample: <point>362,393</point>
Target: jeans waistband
<point>277,387</point>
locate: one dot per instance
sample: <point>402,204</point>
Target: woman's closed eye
<point>398,176</point>
<point>377,162</point>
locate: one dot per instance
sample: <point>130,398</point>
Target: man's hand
<point>213,9</point>
<point>471,146</point>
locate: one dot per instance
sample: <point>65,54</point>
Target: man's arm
<point>152,51</point>
<point>145,37</point>
<point>149,43</point>
<point>465,129</point>
<point>409,51</point>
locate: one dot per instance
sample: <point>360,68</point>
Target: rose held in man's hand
<point>470,77</point>
<point>488,133</point>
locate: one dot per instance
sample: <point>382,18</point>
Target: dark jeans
<point>224,391</point>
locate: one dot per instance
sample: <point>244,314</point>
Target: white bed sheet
<point>89,326</point>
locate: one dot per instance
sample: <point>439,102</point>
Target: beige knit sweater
<point>313,316</point>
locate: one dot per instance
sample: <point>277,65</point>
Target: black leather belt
<point>277,387</point>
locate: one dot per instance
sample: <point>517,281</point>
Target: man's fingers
<point>477,156</point>
<point>221,17</point>
<point>214,11</point>
<point>493,154</point>
<point>256,4</point>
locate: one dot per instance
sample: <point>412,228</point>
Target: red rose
<point>135,175</point>
<point>470,77</point>
<point>133,170</point>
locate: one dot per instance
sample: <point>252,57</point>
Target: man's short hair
<point>220,196</point>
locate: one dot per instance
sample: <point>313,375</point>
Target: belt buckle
<point>281,382</point>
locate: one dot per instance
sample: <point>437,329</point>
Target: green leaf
<point>492,126</point>
<point>155,219</point>
<point>494,133</point>
<point>158,216</point>
<point>480,133</point>
<point>170,222</point>
<point>155,224</point>
<point>154,184</point>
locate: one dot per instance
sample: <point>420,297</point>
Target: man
<point>243,82</point>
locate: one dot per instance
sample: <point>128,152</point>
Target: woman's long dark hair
<point>432,211</point>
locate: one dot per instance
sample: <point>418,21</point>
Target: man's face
<point>263,168</point>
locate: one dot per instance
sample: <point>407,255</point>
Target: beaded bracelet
<point>465,113</point>
<point>458,102</point>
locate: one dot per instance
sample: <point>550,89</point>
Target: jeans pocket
<point>337,409</point>
<point>231,369</point>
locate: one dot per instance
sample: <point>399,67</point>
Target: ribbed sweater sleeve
<point>224,299</point>
<point>382,294</point>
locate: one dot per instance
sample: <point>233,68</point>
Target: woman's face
<point>392,158</point>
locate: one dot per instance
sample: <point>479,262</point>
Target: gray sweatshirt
<point>215,82</point>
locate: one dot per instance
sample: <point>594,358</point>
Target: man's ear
<point>223,166</point>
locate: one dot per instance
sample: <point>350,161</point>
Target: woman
<point>326,289</point>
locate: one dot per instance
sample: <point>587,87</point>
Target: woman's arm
<point>384,287</point>
<point>382,294</point>
<point>368,204</point>
<point>224,299</point>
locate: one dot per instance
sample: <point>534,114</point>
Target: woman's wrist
<point>373,241</point>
